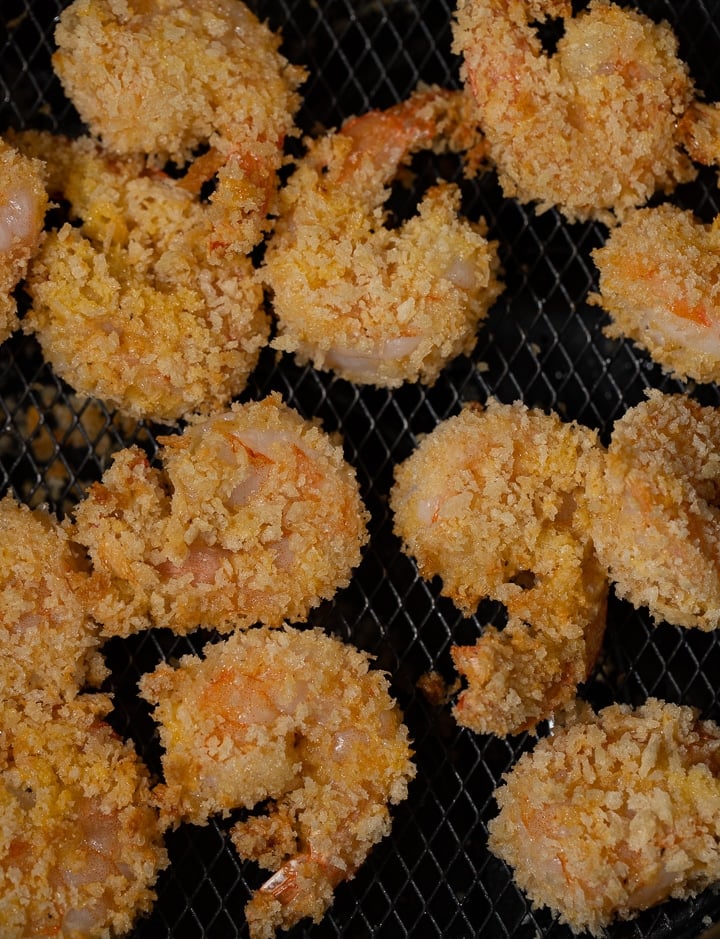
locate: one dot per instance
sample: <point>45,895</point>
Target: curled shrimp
<point>23,203</point>
<point>615,812</point>
<point>659,280</point>
<point>493,501</point>
<point>80,844</point>
<point>133,300</point>
<point>254,517</point>
<point>166,78</point>
<point>373,304</point>
<point>297,720</point>
<point>655,511</point>
<point>594,128</point>
<point>43,605</point>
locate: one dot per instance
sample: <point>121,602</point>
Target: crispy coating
<point>614,813</point>
<point>380,305</point>
<point>139,304</point>
<point>23,203</point>
<point>660,283</point>
<point>254,517</point>
<point>296,720</point>
<point>593,128</point>
<point>51,643</point>
<point>203,73</point>
<point>655,509</point>
<point>493,501</point>
<point>80,842</point>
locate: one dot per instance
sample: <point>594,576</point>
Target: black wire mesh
<point>542,343</point>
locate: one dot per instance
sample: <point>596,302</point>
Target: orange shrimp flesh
<point>295,719</point>
<point>615,812</point>
<point>373,304</point>
<point>512,526</point>
<point>591,128</point>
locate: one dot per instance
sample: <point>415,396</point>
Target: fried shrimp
<point>254,517</point>
<point>80,841</point>
<point>660,283</point>
<point>593,128</point>
<point>164,77</point>
<point>655,514</point>
<point>493,501</point>
<point>613,814</point>
<point>296,720</point>
<point>51,644</point>
<point>23,203</point>
<point>133,301</point>
<point>379,305</point>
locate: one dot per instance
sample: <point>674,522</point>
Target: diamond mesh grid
<point>541,343</point>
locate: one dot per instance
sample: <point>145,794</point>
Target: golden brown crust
<point>23,203</point>
<point>493,502</point>
<point>655,516</point>
<point>295,719</point>
<point>660,282</point>
<point>140,305</point>
<point>51,643</point>
<point>614,813</point>
<point>80,842</point>
<point>255,517</point>
<point>591,129</point>
<point>374,304</point>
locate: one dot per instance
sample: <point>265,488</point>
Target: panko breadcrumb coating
<point>655,509</point>
<point>374,304</point>
<point>493,501</point>
<point>162,77</point>
<point>23,203</point>
<point>50,644</point>
<point>613,814</point>
<point>660,283</point>
<point>593,128</point>
<point>295,720</point>
<point>138,305</point>
<point>80,841</point>
<point>255,517</point>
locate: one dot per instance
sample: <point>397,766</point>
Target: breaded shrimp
<point>660,283</point>
<point>23,203</point>
<point>593,128</point>
<point>377,305</point>
<point>655,517</point>
<point>164,77</point>
<point>296,720</point>
<point>613,814</point>
<point>138,304</point>
<point>80,841</point>
<point>50,643</point>
<point>493,502</point>
<point>254,517</point>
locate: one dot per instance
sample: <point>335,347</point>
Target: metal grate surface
<point>541,343</point>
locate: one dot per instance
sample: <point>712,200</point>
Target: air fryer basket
<point>542,343</point>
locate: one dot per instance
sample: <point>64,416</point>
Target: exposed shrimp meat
<point>592,128</point>
<point>296,720</point>
<point>255,516</point>
<point>493,501</point>
<point>51,644</point>
<point>660,282</point>
<point>132,300</point>
<point>374,304</point>
<point>614,813</point>
<point>162,78</point>
<point>656,521</point>
<point>23,203</point>
<point>80,841</point>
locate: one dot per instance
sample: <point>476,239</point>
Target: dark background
<point>541,343</point>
